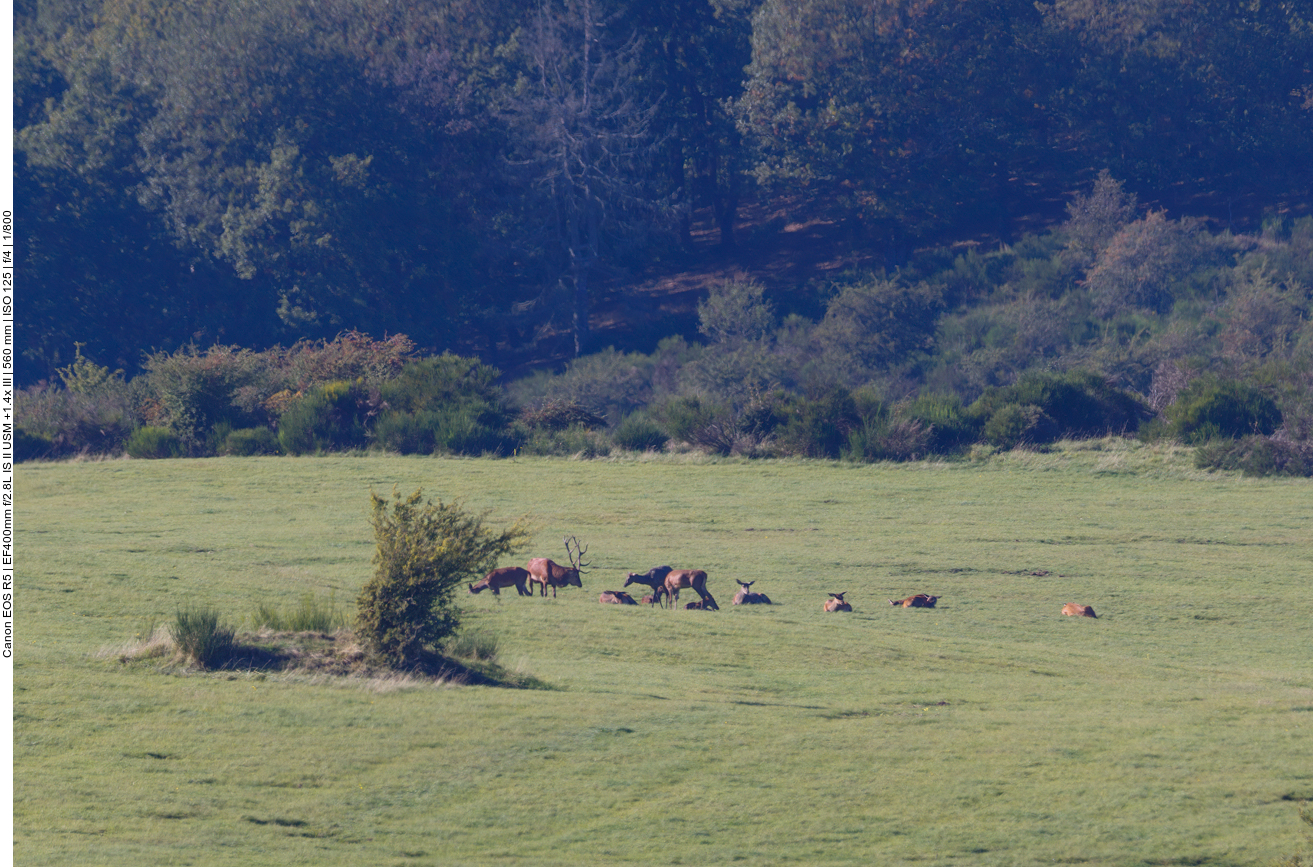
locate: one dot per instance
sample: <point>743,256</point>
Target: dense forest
<point>287,215</point>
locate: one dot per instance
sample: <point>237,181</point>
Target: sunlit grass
<point>990,730</point>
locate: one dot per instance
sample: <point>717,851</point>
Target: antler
<point>577,554</point>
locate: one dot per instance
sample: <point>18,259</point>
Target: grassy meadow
<point>1175,729</point>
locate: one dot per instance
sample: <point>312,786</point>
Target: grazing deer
<point>920,600</point>
<point>836,603</point>
<point>616,597</point>
<point>1071,609</point>
<point>678,579</point>
<point>506,576</point>
<point>654,578</point>
<point>747,597</point>
<point>545,573</point>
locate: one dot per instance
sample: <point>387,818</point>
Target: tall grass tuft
<point>312,614</point>
<point>202,639</point>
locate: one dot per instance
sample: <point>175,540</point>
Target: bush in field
<point>153,443</point>
<point>1043,407</point>
<point>1211,407</point>
<point>193,391</point>
<point>640,434</point>
<point>445,405</point>
<point>94,412</point>
<point>201,638</point>
<point>944,420</point>
<point>250,441</point>
<point>327,418</point>
<point>819,427</point>
<point>1257,456</point>
<point>425,552</point>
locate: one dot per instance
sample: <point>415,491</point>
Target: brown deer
<point>836,603</point>
<point>1071,609</point>
<point>545,573</point>
<point>747,597</point>
<point>657,596</point>
<point>678,579</point>
<point>701,605</point>
<point>506,576</point>
<point>616,597</point>
<point>920,600</point>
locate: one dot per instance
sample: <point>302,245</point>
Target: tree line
<point>261,173</point>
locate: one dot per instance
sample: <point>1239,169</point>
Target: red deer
<point>654,578</point>
<point>678,579</point>
<point>701,605</point>
<point>616,597</point>
<point>836,603</point>
<point>1071,609</point>
<point>920,600</point>
<point>546,573</point>
<point>747,597</point>
<point>657,596</point>
<point>506,576</point>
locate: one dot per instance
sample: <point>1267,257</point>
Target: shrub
<point>944,420</point>
<point>1045,406</point>
<point>820,427</point>
<point>154,443</point>
<point>640,434</point>
<point>201,638</point>
<point>329,417</point>
<point>425,552</point>
<point>1257,456</point>
<point>94,412</point>
<point>196,390</point>
<point>1211,407</point>
<point>250,441</point>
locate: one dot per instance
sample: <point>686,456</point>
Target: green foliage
<point>424,553</point>
<point>1257,456</point>
<point>152,442</point>
<point>202,638</point>
<point>57,422</point>
<point>1213,407</point>
<point>250,441</point>
<point>329,417</point>
<point>819,427</point>
<point>1044,406</point>
<point>445,404</point>
<point>194,391</point>
<point>877,323</point>
<point>640,434</point>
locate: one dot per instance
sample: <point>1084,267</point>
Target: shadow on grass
<point>333,655</point>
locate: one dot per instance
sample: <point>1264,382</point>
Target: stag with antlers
<point>546,573</point>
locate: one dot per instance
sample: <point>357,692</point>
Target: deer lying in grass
<point>499,579</point>
<point>1071,609</point>
<point>545,573</point>
<point>836,603</point>
<point>747,597</point>
<point>656,597</point>
<point>920,600</point>
<point>616,597</point>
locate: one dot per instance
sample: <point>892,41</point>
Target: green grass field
<point>1175,729</point>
